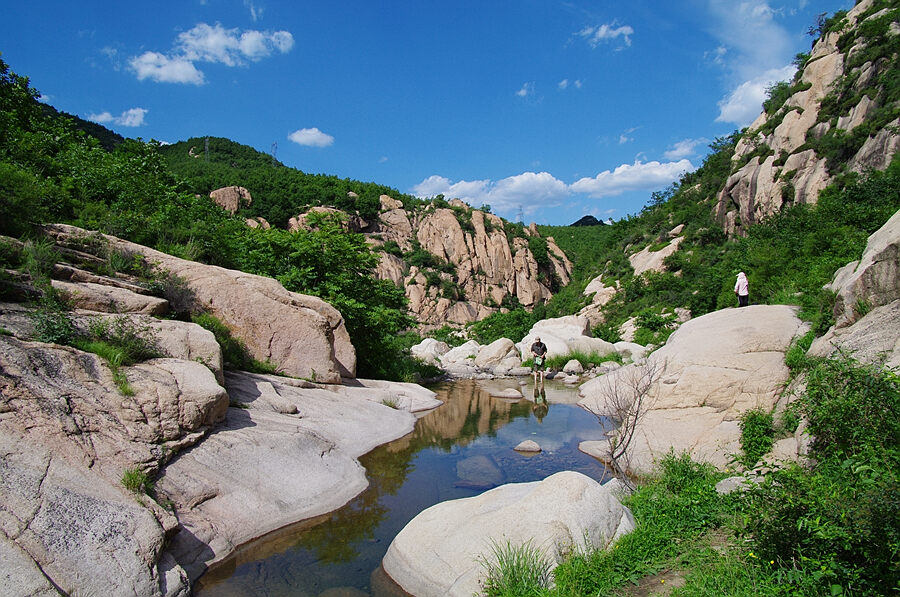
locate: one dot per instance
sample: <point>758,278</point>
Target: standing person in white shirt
<point>742,290</point>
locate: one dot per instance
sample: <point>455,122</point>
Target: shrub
<point>757,435</point>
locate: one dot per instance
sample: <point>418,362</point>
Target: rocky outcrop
<point>486,266</point>
<point>872,281</point>
<point>302,335</point>
<point>288,453</point>
<point>711,370</point>
<point>439,551</point>
<point>231,199</point>
<point>776,162</point>
<point>867,302</point>
<point>67,436</point>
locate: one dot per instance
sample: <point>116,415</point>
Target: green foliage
<point>795,358</point>
<point>234,352</point>
<point>279,193</point>
<point>850,406</point>
<point>835,529</point>
<point>136,481</point>
<point>52,324</point>
<point>757,436</point>
<point>674,508</point>
<point>451,336</point>
<point>513,324</point>
<point>515,571</point>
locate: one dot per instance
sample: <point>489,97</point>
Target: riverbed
<point>458,450</point>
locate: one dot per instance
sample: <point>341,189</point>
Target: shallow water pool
<point>460,449</point>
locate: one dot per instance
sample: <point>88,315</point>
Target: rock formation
<point>87,462</point>
<point>783,165</point>
<point>867,305</point>
<point>231,199</point>
<point>486,266</point>
<point>711,370</point>
<point>302,335</point>
<point>438,552</point>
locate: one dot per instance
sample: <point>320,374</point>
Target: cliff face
<point>839,114</point>
<point>482,261</point>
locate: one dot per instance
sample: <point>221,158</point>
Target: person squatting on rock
<point>742,290</point>
<point>539,352</point>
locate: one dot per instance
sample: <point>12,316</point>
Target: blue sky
<point>552,109</point>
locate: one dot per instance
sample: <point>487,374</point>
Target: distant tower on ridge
<point>206,149</point>
<point>274,151</point>
<point>520,216</point>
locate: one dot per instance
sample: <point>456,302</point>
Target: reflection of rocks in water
<point>517,467</point>
<point>468,412</point>
<point>478,472</point>
<point>382,585</point>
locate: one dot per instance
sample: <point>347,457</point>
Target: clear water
<point>460,449</point>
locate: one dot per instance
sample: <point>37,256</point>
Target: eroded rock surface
<point>289,453</point>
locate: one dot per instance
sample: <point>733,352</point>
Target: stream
<point>457,450</point>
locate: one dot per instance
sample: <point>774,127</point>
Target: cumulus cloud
<point>601,33</point>
<point>311,138</point>
<point>683,149</point>
<point>161,68</point>
<point>744,103</point>
<point>209,43</point>
<point>528,190</point>
<point>130,118</point>
<point>632,177</point>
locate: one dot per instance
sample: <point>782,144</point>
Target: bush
<point>835,529</point>
<point>757,436</point>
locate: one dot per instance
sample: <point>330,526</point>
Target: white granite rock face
<point>711,370</point>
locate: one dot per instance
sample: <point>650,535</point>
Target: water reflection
<point>458,450</point>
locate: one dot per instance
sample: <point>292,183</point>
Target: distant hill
<point>108,139</point>
<point>588,221</point>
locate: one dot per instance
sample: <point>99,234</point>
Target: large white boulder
<point>429,350</point>
<point>438,552</point>
<point>288,454</point>
<point>462,353</point>
<point>563,336</point>
<point>495,352</point>
<point>710,371</point>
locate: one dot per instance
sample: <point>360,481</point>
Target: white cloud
<point>528,190</point>
<point>753,49</point>
<point>526,90</point>
<point>565,83</point>
<point>130,118</point>
<point>744,103</point>
<point>311,138</point>
<point>683,149</point>
<point>601,33</point>
<point>632,177</point>
<point>157,67</point>
<point>623,139</point>
<point>255,12</point>
<point>209,43</point>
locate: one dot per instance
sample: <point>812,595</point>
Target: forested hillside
<point>279,193</point>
